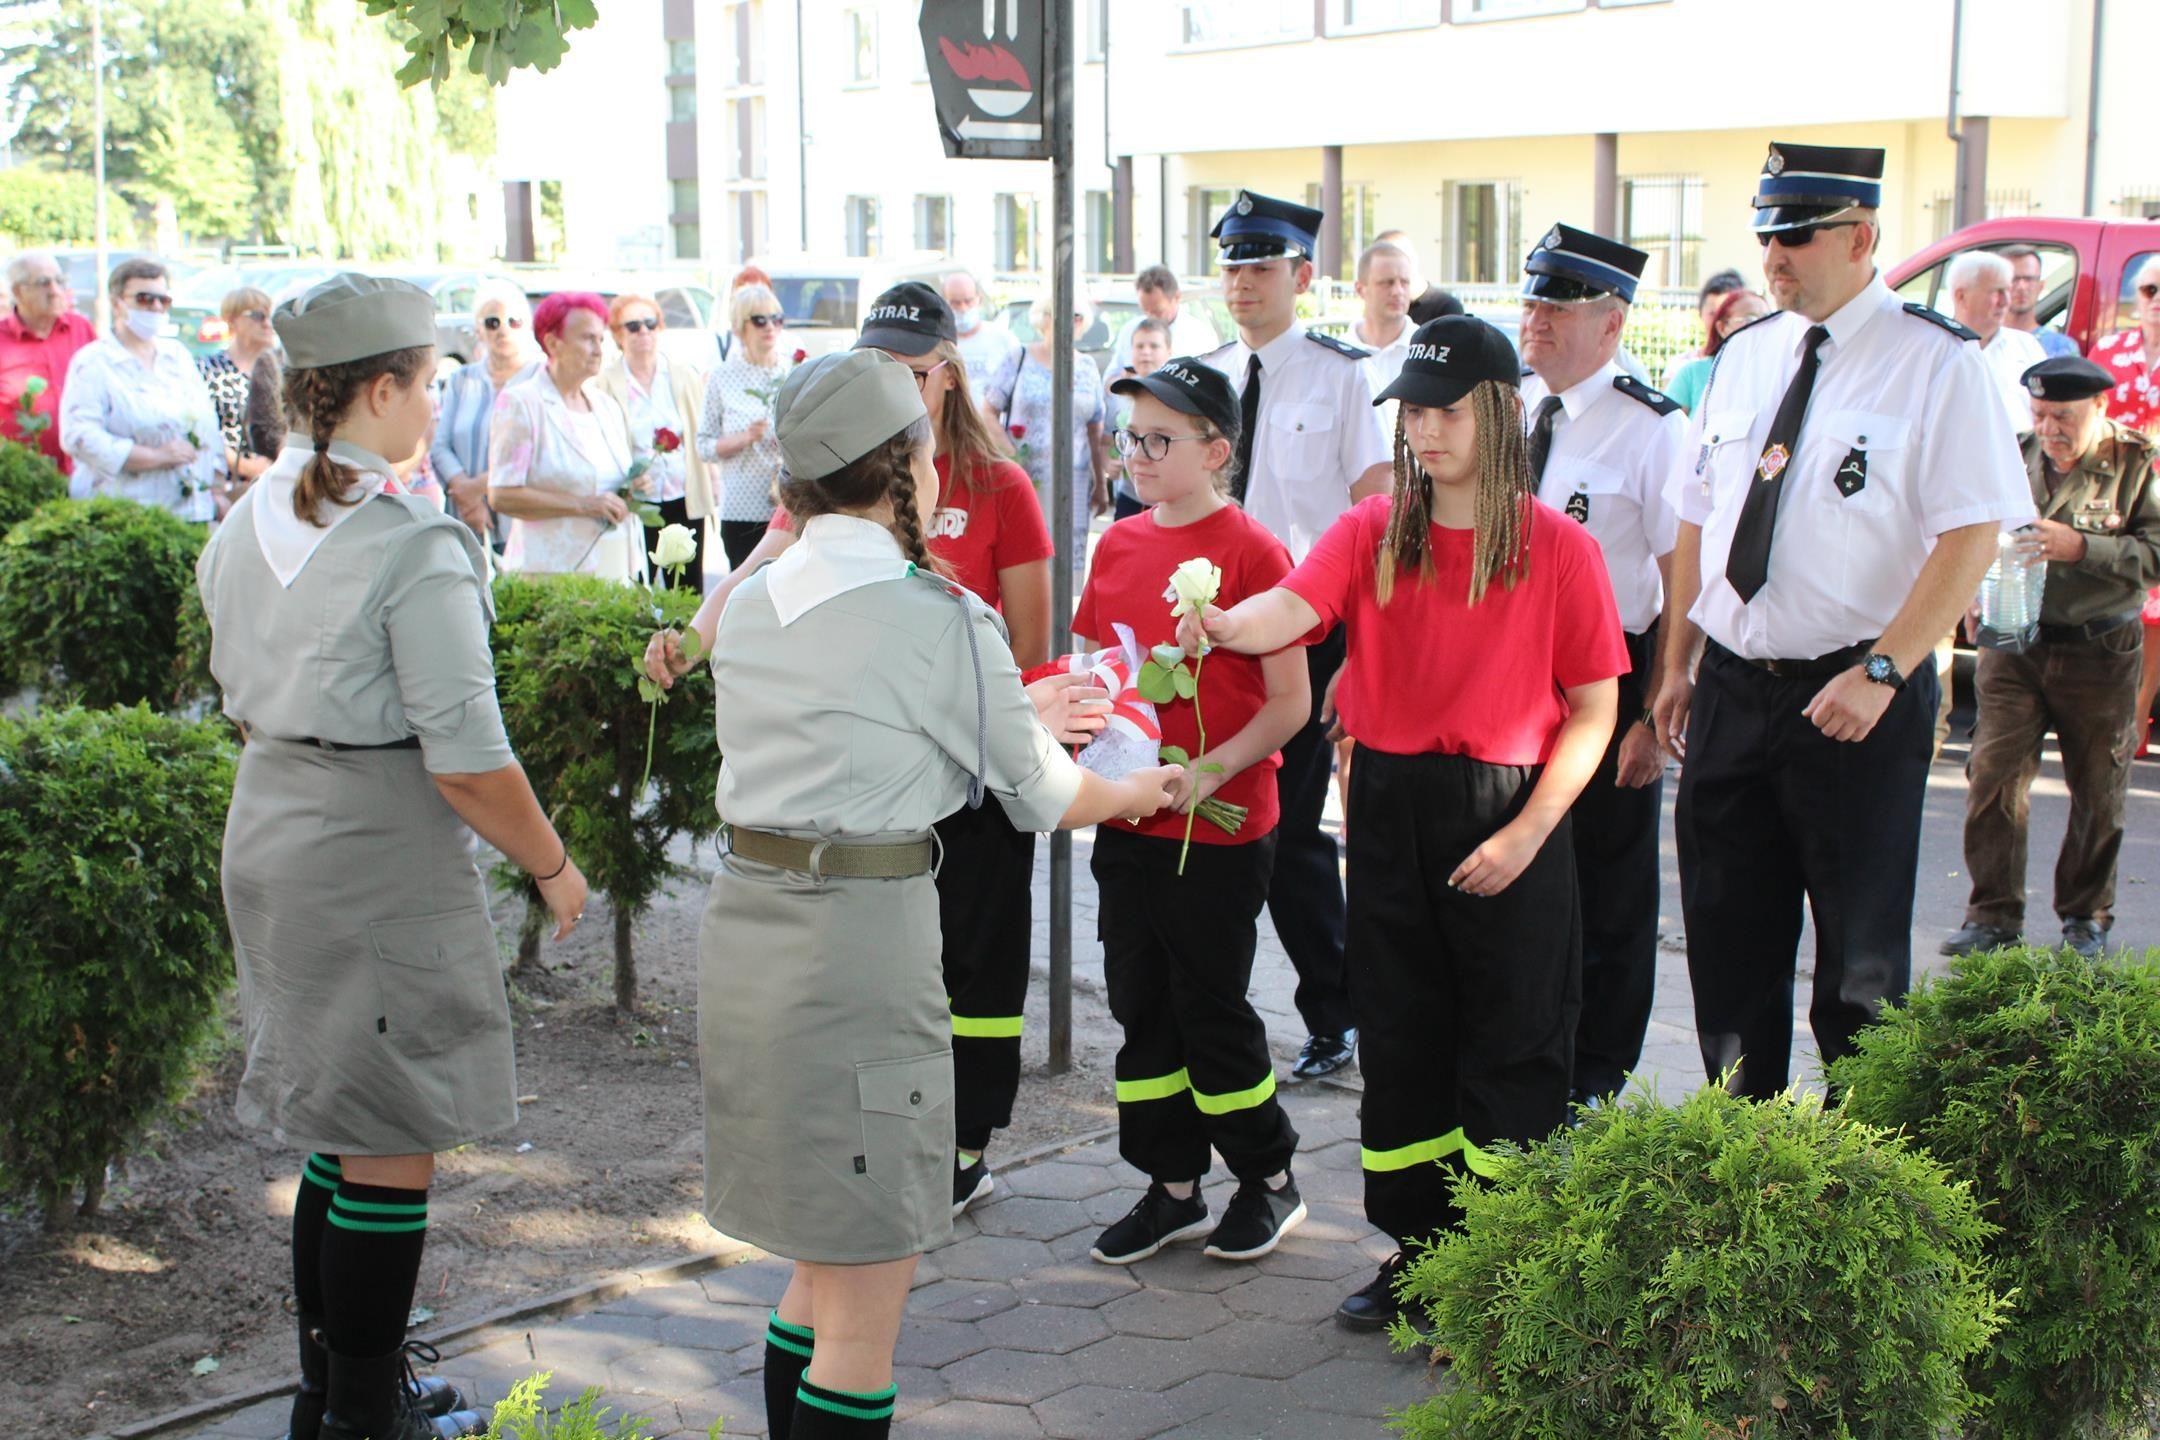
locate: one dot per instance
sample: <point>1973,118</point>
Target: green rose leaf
<point>648,515</point>
<point>1174,755</point>
<point>1186,686</point>
<point>649,692</point>
<point>1155,684</point>
<point>1211,767</point>
<point>692,645</point>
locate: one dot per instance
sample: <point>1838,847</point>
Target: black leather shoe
<point>307,1404</point>
<point>370,1398</point>
<point>1376,1306</point>
<point>2085,937</point>
<point>1972,939</point>
<point>1324,1055</point>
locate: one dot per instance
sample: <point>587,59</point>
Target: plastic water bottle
<point>2010,594</point>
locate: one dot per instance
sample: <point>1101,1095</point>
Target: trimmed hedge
<point>27,480</point>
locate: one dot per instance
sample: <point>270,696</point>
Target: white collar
<point>1275,352</point>
<point>287,541</point>
<point>1853,316</point>
<point>836,554</point>
<point>1402,337</point>
<point>1587,392</point>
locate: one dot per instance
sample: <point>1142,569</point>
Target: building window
<point>1095,44</point>
<point>1663,218</point>
<point>862,225</point>
<point>682,101</point>
<point>549,230</point>
<point>687,244</point>
<point>1099,258</point>
<point>1484,232</point>
<point>933,223</point>
<point>1357,17</point>
<point>743,24</point>
<point>750,222</point>
<point>1016,231</point>
<point>682,57</point>
<point>862,46</point>
<point>1245,22</point>
<point>746,156</point>
<point>1511,9</point>
<point>1360,216</point>
<point>1207,206</point>
<point>683,199</point>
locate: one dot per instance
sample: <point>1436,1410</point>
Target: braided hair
<point>316,399</point>
<point>1501,518</point>
<point>885,471</point>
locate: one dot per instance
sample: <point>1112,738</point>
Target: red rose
<point>800,356</point>
<point>666,441</point>
<point>1019,432</point>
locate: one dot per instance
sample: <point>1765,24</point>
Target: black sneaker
<point>970,1183</point>
<point>1255,1220</point>
<point>1324,1055</point>
<point>2085,937</point>
<point>1156,1221</point>
<point>1977,935</point>
<point>1376,1306</point>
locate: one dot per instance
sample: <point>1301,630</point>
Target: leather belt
<point>820,858</point>
<point>410,742</point>
<point>2090,630</point>
<point>1822,667</point>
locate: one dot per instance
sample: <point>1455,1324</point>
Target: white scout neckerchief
<point>287,541</point>
<point>837,553</point>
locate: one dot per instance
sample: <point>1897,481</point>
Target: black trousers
<point>1194,1070</point>
<point>739,537</point>
<point>1466,1005</point>
<point>1771,813</point>
<point>677,512</point>
<point>1305,895</point>
<point>1616,868</point>
<point>985,887</point>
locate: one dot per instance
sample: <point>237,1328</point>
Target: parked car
<point>2087,268</point>
<point>691,310</point>
<point>823,297</point>
<point>202,329</point>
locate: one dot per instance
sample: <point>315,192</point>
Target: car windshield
<point>819,299</point>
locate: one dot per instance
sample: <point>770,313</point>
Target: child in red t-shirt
<point>1480,688</point>
<point>1194,1071</point>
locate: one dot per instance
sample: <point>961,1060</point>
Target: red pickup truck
<point>2087,268</point>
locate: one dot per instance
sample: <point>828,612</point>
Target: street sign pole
<point>1060,22</point>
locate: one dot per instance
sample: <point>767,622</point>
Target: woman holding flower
<point>560,453</point>
<point>1480,688</point>
<point>662,404</point>
<point>735,430</point>
<point>1194,1071</point>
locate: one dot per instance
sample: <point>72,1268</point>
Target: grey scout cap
<point>838,408</point>
<point>352,317</point>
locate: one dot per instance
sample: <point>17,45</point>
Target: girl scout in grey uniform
<point>861,699</point>
<point>349,636</point>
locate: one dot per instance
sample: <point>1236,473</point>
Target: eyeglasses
<point>256,315</point>
<point>2148,290</point>
<point>639,327</point>
<point>45,282</point>
<point>150,300</point>
<point>922,377</point>
<point>496,322</point>
<point>1801,236</point>
<point>768,322</point>
<point>1154,447</point>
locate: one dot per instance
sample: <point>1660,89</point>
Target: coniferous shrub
<point>27,480</point>
<point>1715,1270</point>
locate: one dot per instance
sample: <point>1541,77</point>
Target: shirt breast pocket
<point>1726,460</point>
<point>1862,459</point>
<point>1297,440</point>
<point>1592,493</point>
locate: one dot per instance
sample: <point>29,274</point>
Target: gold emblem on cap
<point>1777,163</point>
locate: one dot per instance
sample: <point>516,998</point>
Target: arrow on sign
<point>973,129</point>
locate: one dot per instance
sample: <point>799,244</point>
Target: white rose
<point>677,547</point>
<point>1193,585</point>
<point>1169,657</point>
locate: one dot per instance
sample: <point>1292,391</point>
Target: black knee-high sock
<point>822,1414</point>
<point>370,1264</point>
<point>311,1209</point>
<point>787,1355</point>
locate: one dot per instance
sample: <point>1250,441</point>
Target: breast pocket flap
<point>912,1087</point>
<point>1300,417</point>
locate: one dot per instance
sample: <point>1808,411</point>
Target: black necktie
<point>1541,436</point>
<point>1248,428</point>
<point>1747,564</point>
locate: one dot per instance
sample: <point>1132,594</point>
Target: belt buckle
<point>328,747</point>
<point>817,859</point>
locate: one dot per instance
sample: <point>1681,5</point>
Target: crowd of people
<point>1493,592</point>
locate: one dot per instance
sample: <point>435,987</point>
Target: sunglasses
<point>256,315</point>
<point>150,300</point>
<point>2148,290</point>
<point>639,327</point>
<point>768,322</point>
<point>1152,446</point>
<point>1801,236</point>
<point>496,322</point>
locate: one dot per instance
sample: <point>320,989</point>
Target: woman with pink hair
<point>560,450</point>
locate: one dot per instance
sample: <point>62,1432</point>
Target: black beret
<point>2067,377</point>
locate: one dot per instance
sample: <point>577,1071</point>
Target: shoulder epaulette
<point>1635,390</point>
<point>1336,343</point>
<point>1936,317</point>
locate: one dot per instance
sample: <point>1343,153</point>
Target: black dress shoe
<point>1324,1055</point>
<point>1976,937</point>
<point>2085,937</point>
<point>1376,1306</point>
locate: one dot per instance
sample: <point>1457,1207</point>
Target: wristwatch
<point>1881,669</point>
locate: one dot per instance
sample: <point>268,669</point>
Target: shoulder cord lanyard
<point>982,693</point>
<point>1702,453</point>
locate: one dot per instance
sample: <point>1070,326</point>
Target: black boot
<point>368,1400</point>
<point>307,1404</point>
<point>432,1394</point>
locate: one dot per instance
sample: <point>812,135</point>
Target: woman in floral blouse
<point>248,337</point>
<point>736,431</point>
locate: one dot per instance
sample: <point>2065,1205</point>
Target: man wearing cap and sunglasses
<point>1601,447</point>
<point>1310,446</point>
<point>1840,493</point>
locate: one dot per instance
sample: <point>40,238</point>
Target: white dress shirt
<point>1386,361</point>
<point>1317,433</point>
<point>1907,399</point>
<point>1611,458</point>
<point>2009,355</point>
<point>113,402</point>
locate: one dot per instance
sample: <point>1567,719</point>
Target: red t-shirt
<point>979,531</point>
<point>1125,585</point>
<point>23,358</point>
<point>1429,674</point>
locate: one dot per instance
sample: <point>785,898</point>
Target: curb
<point>455,1339</point>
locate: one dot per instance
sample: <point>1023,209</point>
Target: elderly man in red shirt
<point>37,339</point>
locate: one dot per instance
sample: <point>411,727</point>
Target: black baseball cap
<point>1448,357</point>
<point>908,319</point>
<point>1190,387</point>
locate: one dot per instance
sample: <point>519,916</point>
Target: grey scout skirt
<point>826,1043</point>
<point>371,992</point>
